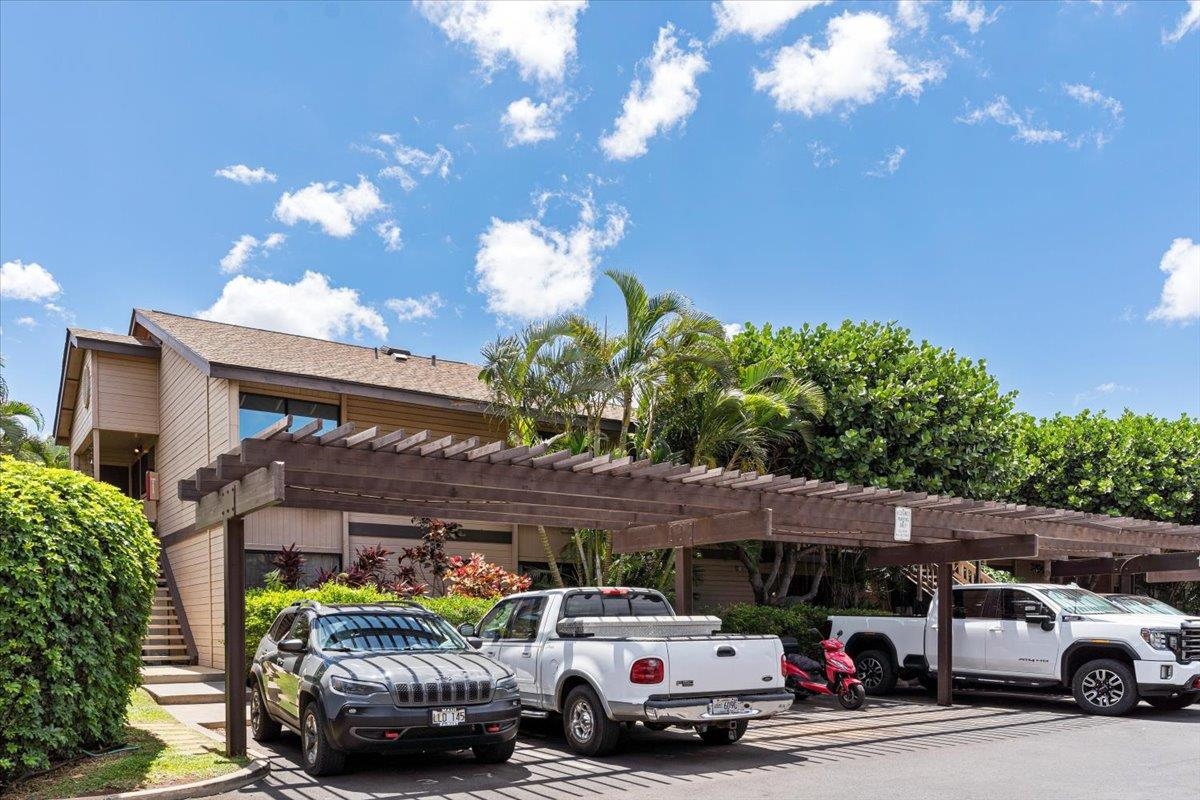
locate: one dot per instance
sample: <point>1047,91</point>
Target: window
<point>495,625</point>
<point>969,603</point>
<point>259,411</point>
<point>300,629</point>
<point>1016,604</point>
<point>539,573</point>
<point>598,604</point>
<point>259,563</point>
<point>1074,600</point>
<point>282,624</point>
<point>526,618</point>
<point>358,632</point>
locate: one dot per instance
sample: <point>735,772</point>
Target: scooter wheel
<point>852,697</point>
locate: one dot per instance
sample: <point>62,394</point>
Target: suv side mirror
<point>292,646</point>
<point>467,630</point>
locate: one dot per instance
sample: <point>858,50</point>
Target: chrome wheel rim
<point>310,738</point>
<point>870,672</point>
<point>255,710</point>
<point>582,723</point>
<point>1103,688</point>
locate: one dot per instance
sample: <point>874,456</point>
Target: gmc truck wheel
<point>588,730</point>
<point>1176,703</point>
<point>1105,687</point>
<point>876,671</point>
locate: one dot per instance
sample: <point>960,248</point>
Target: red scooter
<point>803,676</point>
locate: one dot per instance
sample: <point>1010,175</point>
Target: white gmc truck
<point>1045,636</point>
<point>606,658</point>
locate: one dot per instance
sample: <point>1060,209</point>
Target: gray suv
<point>388,678</point>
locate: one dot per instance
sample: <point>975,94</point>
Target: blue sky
<point>1020,182</point>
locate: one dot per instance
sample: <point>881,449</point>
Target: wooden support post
<point>945,636</point>
<point>235,637</point>
<point>683,580</point>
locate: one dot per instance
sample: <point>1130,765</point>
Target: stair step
<point>152,661</point>
<point>171,694</point>
<point>159,648</point>
<point>170,673</point>
<point>162,639</point>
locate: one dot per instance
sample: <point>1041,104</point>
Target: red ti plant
<point>290,565</point>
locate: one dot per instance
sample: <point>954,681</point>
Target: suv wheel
<point>320,756</point>
<point>589,732</point>
<point>262,727</point>
<point>496,753</point>
<point>876,672</point>
<point>1106,687</point>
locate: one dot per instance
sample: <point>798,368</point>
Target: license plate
<point>723,706</point>
<point>444,717</point>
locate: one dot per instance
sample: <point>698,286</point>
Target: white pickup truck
<point>1046,636</point>
<point>606,658</point>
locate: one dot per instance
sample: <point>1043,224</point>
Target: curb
<point>257,769</point>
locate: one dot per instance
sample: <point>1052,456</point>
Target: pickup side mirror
<point>292,646</point>
<point>1040,617</point>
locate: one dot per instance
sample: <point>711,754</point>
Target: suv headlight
<point>355,688</point>
<point>506,687</point>
<point>1161,639</point>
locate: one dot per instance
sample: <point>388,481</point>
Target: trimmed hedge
<point>78,566</point>
<point>264,605</point>
<point>795,621</point>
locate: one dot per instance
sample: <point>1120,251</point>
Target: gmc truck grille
<point>443,693</point>
<point>1189,644</point>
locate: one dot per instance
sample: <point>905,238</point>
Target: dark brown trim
<point>945,634</point>
<point>235,637</point>
<point>116,348</point>
<point>383,530</point>
<point>180,612</point>
<point>179,535</point>
<point>1023,546</point>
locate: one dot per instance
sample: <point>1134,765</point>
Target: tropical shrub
<point>78,566</point>
<point>797,621</point>
<point>264,605</point>
<point>477,577</point>
<point>289,566</point>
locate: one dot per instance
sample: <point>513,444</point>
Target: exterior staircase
<point>924,576</point>
<point>164,643</point>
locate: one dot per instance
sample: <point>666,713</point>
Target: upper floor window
<point>258,411</point>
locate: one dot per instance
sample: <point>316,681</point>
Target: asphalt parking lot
<point>904,746</point>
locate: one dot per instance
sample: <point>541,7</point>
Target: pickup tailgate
<point>718,665</point>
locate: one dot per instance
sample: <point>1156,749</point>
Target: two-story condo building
<point>143,410</point>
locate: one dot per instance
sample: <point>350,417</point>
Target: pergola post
<point>235,637</point>
<point>945,638</point>
<point>683,580</point>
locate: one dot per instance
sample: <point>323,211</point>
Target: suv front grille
<point>1189,643</point>
<point>443,693</point>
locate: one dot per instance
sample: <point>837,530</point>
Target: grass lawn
<point>167,752</point>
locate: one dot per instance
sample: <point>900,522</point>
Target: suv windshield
<point>1073,600</point>
<point>376,632</point>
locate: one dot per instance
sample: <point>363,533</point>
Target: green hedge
<point>795,621</point>
<point>78,564</point>
<point>264,605</point>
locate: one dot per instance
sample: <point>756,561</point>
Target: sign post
<point>903,531</point>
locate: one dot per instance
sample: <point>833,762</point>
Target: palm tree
<point>16,418</point>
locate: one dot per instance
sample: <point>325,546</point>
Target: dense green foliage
<point>19,422</point>
<point>797,620</point>
<point>78,563</point>
<point>1134,465</point>
<point>263,605</point>
<point>900,414</point>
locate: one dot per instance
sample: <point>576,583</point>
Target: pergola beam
<point>1025,546</point>
<point>261,488</point>
<point>695,532</point>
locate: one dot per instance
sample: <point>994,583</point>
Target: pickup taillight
<point>646,670</point>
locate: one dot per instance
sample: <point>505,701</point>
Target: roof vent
<point>396,353</point>
<point>433,361</point>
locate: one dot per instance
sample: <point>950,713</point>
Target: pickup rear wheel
<point>876,671</point>
<point>1106,687</point>
<point>724,735</point>
<point>589,732</point>
<point>1175,703</point>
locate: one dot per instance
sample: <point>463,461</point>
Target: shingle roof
<point>253,348</point>
<point>105,336</point>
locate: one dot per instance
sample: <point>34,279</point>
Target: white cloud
<point>412,161</point>
<point>274,240</point>
<point>529,270</point>
<point>1103,389</point>
<point>732,329</point>
<point>856,68</point>
<point>1189,22</point>
<point>1024,129</point>
<point>889,164</point>
<point>527,122</point>
<point>409,309</point>
<point>822,154</point>
<point>239,254</point>
<point>1091,97</point>
<point>390,232</point>
<point>664,101</point>
<point>21,281</point>
<point>972,14</point>
<point>912,14</point>
<point>240,173</point>
<point>758,19</point>
<point>539,37</point>
<point>309,307</point>
<point>1181,292</point>
<point>27,322</point>
<point>336,210</point>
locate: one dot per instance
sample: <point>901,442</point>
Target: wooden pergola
<point>645,505</point>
